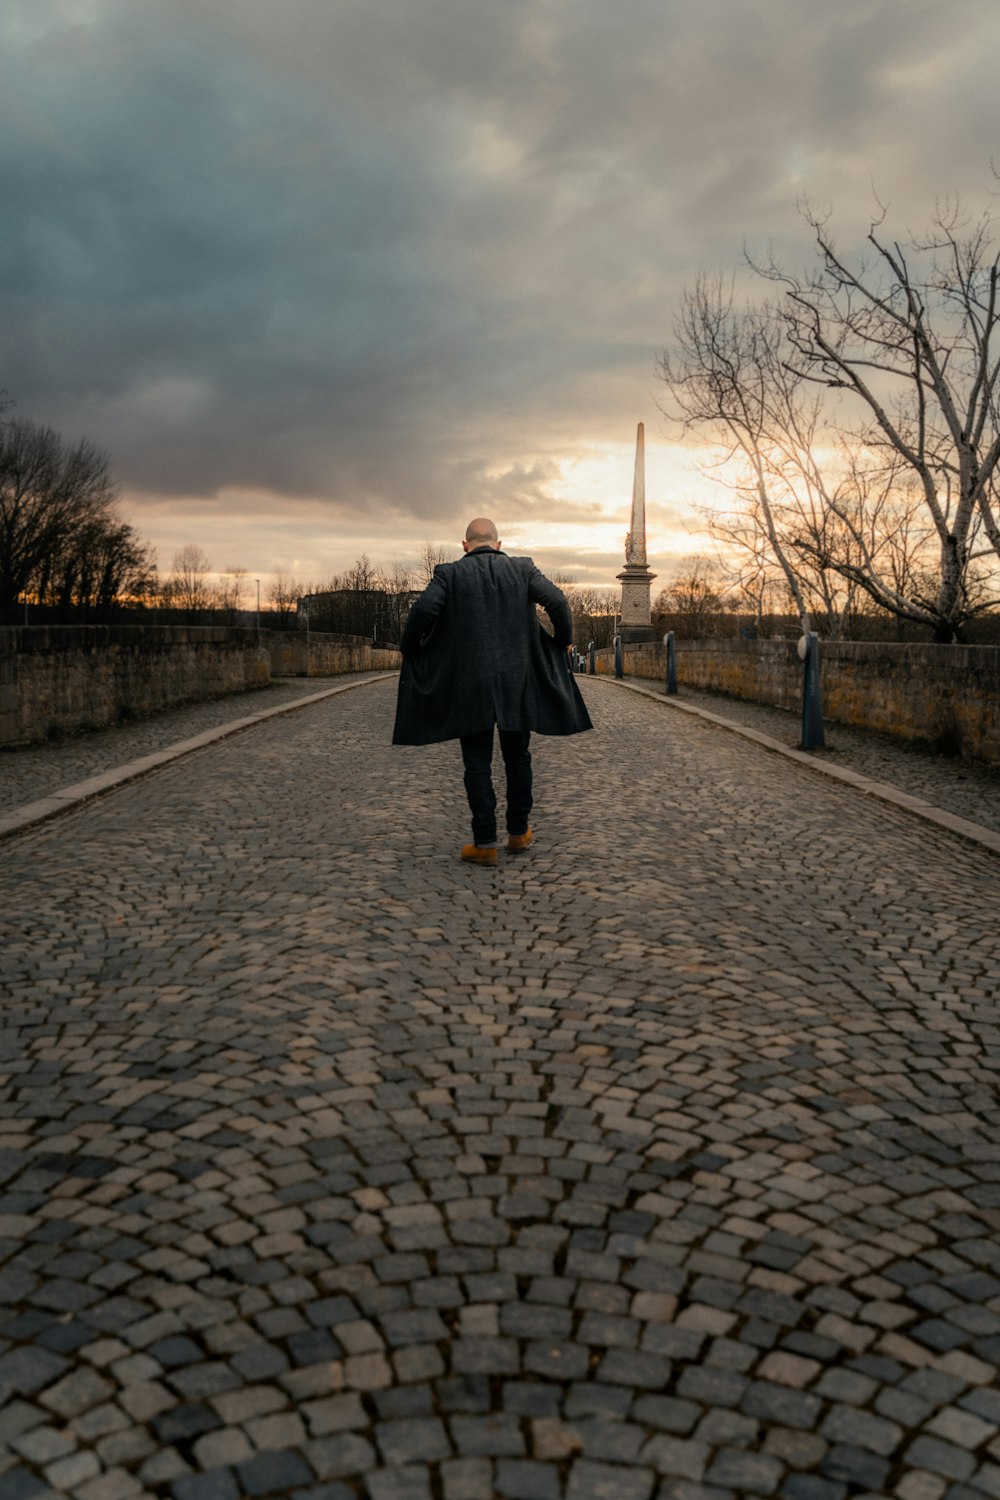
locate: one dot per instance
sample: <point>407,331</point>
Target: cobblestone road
<point>30,772</point>
<point>967,788</point>
<point>661,1162</point>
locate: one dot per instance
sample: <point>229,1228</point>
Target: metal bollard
<point>812,702</point>
<point>670,688</point>
<point>591,653</point>
<point>619,657</point>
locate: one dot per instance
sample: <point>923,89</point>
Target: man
<point>475,656</point>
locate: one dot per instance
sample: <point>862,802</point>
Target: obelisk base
<point>636,623</point>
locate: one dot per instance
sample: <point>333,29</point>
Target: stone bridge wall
<point>321,654</point>
<point>944,696</point>
<point>55,679</point>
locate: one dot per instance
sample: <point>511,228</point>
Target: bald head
<point>480,533</point>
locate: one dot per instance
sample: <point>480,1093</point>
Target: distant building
<point>377,614</point>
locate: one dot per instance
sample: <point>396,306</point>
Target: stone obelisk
<point>636,578</point>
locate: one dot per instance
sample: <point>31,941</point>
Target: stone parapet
<point>59,678</point>
<point>944,696</point>
<point>55,679</point>
<point>325,654</point>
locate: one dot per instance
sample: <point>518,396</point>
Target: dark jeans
<point>477,754</point>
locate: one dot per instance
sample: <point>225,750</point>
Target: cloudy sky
<point>330,276</point>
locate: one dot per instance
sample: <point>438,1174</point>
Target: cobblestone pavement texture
<point>968,789</point>
<point>661,1161</point>
<point>30,772</point>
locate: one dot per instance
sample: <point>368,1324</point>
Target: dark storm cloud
<point>218,264</point>
<point>388,258</point>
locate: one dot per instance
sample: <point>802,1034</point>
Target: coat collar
<point>476,551</point>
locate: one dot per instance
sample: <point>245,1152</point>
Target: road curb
<point>987,838</point>
<point>33,813</point>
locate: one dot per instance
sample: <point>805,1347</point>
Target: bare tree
<point>363,586</point>
<point>101,567</point>
<point>753,576</point>
<point>283,595</point>
<point>910,336</point>
<point>727,374</point>
<point>428,559</point>
<point>694,602</point>
<point>51,496</point>
<point>188,586</point>
<point>401,591</point>
<point>594,611</point>
<point>758,589</point>
<point>229,592</point>
<point>887,502</point>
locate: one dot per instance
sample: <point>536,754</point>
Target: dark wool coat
<point>475,654</point>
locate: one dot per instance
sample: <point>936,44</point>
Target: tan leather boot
<point>473,854</point>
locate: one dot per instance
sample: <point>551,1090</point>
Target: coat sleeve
<point>422,616</point>
<point>555,605</point>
